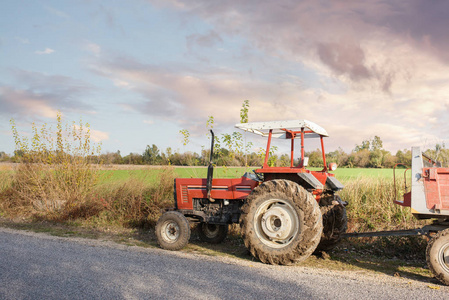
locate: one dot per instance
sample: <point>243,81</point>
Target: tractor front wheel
<point>281,222</point>
<point>437,255</point>
<point>212,233</point>
<point>173,231</point>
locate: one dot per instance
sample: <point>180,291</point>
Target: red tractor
<point>285,213</point>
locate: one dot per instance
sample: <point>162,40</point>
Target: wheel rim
<point>210,230</point>
<point>170,231</point>
<point>443,257</point>
<point>276,223</point>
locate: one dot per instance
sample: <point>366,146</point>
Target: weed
<point>54,177</point>
<point>136,201</point>
<point>371,208</point>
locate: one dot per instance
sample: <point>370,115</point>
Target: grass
<point>150,175</point>
<point>370,206</point>
<point>351,173</point>
<point>120,195</point>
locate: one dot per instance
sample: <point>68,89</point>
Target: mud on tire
<point>172,231</point>
<point>437,256</point>
<point>212,233</point>
<point>335,224</point>
<point>281,222</point>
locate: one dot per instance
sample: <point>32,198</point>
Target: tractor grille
<point>184,194</point>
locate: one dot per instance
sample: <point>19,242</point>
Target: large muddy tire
<point>173,231</point>
<point>437,255</point>
<point>335,224</point>
<point>281,222</point>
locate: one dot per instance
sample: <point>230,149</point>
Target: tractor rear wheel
<point>335,224</point>
<point>281,222</point>
<point>212,233</point>
<point>172,231</point>
<point>437,255</point>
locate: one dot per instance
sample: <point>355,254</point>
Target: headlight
<point>332,166</point>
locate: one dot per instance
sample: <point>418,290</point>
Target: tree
<point>151,155</point>
<point>364,146</point>
<point>133,159</point>
<point>404,157</point>
<point>375,158</point>
<point>376,143</point>
<point>315,158</point>
<point>362,158</point>
<point>3,156</point>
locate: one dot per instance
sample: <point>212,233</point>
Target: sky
<point>140,71</point>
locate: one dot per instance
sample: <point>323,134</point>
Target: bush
<point>54,175</point>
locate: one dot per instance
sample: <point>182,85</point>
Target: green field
<point>151,174</point>
<point>352,173</point>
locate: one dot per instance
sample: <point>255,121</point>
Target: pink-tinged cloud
<point>25,103</point>
<point>408,115</point>
<point>341,36</point>
<point>41,95</point>
<point>95,135</point>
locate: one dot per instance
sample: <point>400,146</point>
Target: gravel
<point>40,266</point>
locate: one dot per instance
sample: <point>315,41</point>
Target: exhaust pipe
<point>210,169</point>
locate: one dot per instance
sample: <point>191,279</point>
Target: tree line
<point>369,154</point>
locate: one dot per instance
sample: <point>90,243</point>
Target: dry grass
<point>136,201</point>
<point>55,180</point>
<point>42,193</point>
<point>371,208</point>
<point>71,191</point>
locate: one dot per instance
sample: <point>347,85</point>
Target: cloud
<point>186,96</point>
<point>94,48</point>
<point>121,83</point>
<point>46,51</point>
<point>358,69</point>
<point>339,38</point>
<point>23,102</point>
<point>37,94</point>
<point>98,136</point>
<point>179,93</point>
<point>344,58</point>
<point>203,40</point>
<point>95,135</point>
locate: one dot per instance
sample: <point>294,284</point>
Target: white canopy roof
<point>263,128</point>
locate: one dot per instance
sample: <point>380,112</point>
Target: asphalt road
<point>38,266</point>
